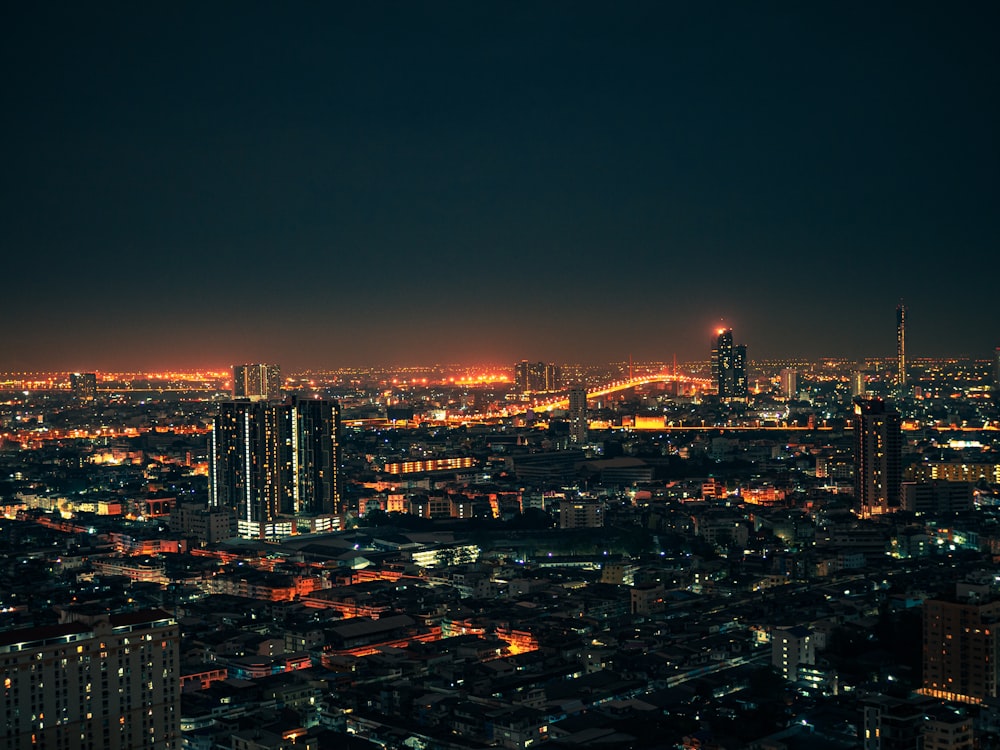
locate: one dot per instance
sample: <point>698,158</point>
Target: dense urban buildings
<point>633,562</point>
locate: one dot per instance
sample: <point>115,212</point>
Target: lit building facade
<point>109,682</point>
<point>275,460</point>
<point>83,385</point>
<point>792,648</point>
<point>789,383</point>
<point>533,377</point>
<point>859,383</point>
<point>901,345</point>
<point>582,513</point>
<point>257,381</point>
<point>878,447</point>
<point>729,366</point>
<point>960,649</point>
<point>956,471</point>
<point>578,424</point>
<point>430,464</point>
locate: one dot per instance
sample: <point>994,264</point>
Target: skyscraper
<point>578,425</point>
<point>878,448</point>
<point>729,366</point>
<point>901,345</point>
<point>789,383</point>
<point>273,461</point>
<point>89,682</point>
<point>536,376</point>
<point>257,381</point>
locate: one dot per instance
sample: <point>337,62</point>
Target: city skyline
<point>164,366</point>
<point>393,184</point>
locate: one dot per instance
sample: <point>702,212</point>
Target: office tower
<point>878,448</point>
<point>101,682</point>
<point>901,345</point>
<point>275,460</point>
<point>531,377</point>
<point>83,385</point>
<point>960,647</point>
<point>729,366</point>
<point>257,382</point>
<point>578,425</point>
<point>789,383</point>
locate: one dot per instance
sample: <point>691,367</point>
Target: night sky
<point>325,184</point>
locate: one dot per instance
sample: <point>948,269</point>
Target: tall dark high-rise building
<point>272,463</point>
<point>533,377</point>
<point>109,681</point>
<point>901,345</point>
<point>83,385</point>
<point>878,449</point>
<point>729,366</point>
<point>257,381</point>
<point>578,424</point>
<point>740,386</point>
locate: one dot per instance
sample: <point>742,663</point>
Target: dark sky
<point>327,184</point>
